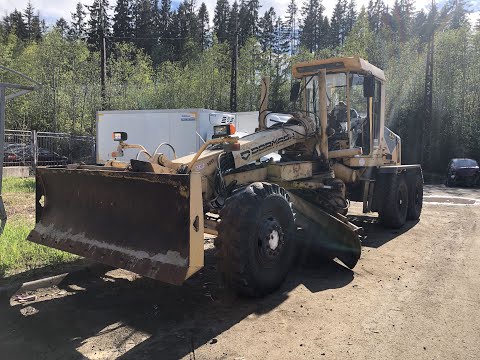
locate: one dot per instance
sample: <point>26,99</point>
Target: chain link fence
<point>32,148</point>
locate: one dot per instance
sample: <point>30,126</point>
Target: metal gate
<point>32,148</point>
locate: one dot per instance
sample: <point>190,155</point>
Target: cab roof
<point>335,65</point>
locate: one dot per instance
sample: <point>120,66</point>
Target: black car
<point>22,154</point>
<point>15,154</point>
<point>47,157</point>
<point>462,171</point>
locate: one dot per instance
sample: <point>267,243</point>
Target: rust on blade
<point>140,222</point>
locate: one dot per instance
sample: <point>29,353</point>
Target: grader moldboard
<point>150,217</point>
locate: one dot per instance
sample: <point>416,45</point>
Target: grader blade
<point>151,224</point>
<point>336,237</point>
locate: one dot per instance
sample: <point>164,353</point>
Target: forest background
<point>158,56</point>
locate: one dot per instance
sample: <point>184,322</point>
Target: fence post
<point>94,150</point>
<point>70,155</point>
<point>34,151</point>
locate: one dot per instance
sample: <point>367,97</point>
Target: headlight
<point>220,130</point>
<point>223,130</point>
<point>119,136</point>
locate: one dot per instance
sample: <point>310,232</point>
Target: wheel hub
<point>273,241</point>
<point>270,239</point>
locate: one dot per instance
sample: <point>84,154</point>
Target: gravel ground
<point>415,294</point>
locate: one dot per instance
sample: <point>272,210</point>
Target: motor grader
<point>150,216</point>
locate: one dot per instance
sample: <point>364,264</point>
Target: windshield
<point>337,107</point>
<point>465,163</point>
<point>336,92</point>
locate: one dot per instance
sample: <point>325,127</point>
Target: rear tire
<point>393,213</point>
<point>415,199</point>
<point>256,239</point>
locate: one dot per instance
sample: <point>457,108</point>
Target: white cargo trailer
<point>184,129</point>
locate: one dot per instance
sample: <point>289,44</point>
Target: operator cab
<point>354,93</point>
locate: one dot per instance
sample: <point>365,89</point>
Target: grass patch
<point>18,185</point>
<point>16,253</point>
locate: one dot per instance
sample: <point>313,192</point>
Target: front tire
<point>415,200</point>
<point>256,239</point>
<point>395,203</point>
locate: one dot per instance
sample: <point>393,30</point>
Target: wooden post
<point>322,101</point>
<point>263,103</point>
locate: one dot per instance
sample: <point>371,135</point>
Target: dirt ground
<point>415,294</point>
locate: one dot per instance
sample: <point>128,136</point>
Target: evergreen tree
<point>156,17</point>
<point>282,44</point>
<point>122,20</point>
<point>407,15</point>
<point>338,23</point>
<point>374,13</point>
<point>351,16</point>
<point>248,20</point>
<point>77,27</point>
<point>402,15</point>
<point>220,20</point>
<point>14,23</point>
<point>38,27</point>
<point>192,20</point>
<point>203,26</point>
<point>164,49</point>
<point>143,27</point>
<point>233,22</point>
<point>165,13</point>
<point>360,41</point>
<point>98,24</point>
<point>291,23</point>
<point>459,15</point>
<point>419,26</point>
<point>313,33</point>
<point>327,31</point>
<point>62,27</point>
<point>185,25</point>
<point>29,15</point>
<point>267,30</point>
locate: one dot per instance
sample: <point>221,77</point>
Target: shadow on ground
<point>375,235</point>
<point>174,320</point>
<point>41,272</point>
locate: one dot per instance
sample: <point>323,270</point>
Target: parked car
<point>462,171</point>
<point>47,157</point>
<point>9,157</point>
<point>23,154</point>
<point>12,153</point>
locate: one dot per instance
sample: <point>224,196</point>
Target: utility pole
<point>103,55</point>
<point>425,149</point>
<point>428,103</point>
<point>233,75</point>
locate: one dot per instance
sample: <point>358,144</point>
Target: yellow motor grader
<point>150,216</point>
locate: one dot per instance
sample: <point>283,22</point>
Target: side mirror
<point>295,91</point>
<point>369,86</point>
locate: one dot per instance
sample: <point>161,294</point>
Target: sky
<point>51,10</point>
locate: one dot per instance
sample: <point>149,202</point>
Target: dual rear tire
<point>401,201</point>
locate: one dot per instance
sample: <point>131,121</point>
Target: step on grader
<point>150,216</point>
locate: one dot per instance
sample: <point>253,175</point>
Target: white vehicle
<point>185,129</point>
